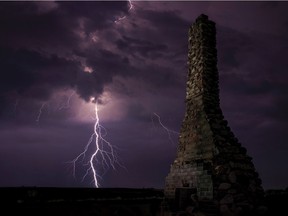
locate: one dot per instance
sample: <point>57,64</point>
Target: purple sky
<point>58,55</point>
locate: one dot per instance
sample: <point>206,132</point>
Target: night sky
<point>55,57</point>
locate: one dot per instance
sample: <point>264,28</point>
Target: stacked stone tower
<point>210,159</point>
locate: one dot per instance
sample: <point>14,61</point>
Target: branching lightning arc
<point>165,128</point>
<point>123,17</point>
<point>103,153</point>
<point>40,112</point>
<point>66,105</point>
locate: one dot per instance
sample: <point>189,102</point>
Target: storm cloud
<point>55,57</point>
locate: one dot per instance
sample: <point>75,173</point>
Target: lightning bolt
<point>103,153</point>
<point>67,104</point>
<point>40,112</point>
<point>130,5</point>
<point>123,17</point>
<point>165,128</point>
<point>64,105</point>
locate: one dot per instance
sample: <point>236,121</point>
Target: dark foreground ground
<point>277,202</point>
<point>79,201</point>
<point>104,202</point>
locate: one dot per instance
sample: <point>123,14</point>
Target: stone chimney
<point>210,160</point>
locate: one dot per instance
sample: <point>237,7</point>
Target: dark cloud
<point>246,73</point>
<point>157,34</point>
<point>105,65</point>
<point>168,26</point>
<point>231,44</point>
<point>279,104</point>
<point>137,112</point>
<point>158,76</point>
<point>145,48</point>
<point>175,23</point>
<point>35,45</point>
<point>23,25</point>
<point>50,49</point>
<point>97,15</point>
<point>237,84</point>
<point>31,75</point>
